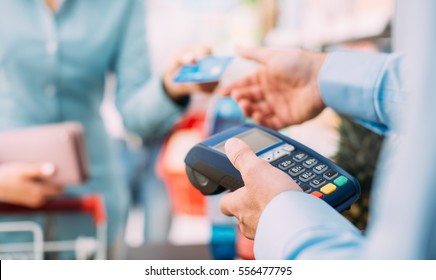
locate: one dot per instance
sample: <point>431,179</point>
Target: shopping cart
<point>84,247</point>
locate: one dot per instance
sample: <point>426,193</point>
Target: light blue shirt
<point>372,88</point>
<point>53,69</point>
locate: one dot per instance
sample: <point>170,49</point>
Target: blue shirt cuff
<point>349,84</point>
<point>297,225</point>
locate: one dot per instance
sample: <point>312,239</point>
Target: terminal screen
<point>257,139</point>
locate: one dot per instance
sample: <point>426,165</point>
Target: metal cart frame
<point>84,247</point>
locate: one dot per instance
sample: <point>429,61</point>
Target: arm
<point>308,229</point>
<point>402,224</point>
<point>150,105</point>
<point>366,86</point>
<point>292,86</point>
<point>284,221</point>
<point>145,107</point>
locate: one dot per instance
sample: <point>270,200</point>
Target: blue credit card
<point>206,70</point>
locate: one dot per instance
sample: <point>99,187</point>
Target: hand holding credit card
<point>206,70</point>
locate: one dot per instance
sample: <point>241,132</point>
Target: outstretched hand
<point>283,91</point>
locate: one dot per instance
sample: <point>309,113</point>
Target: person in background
<point>54,57</point>
<point>292,86</point>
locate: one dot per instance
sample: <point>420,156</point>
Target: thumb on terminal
<point>240,154</point>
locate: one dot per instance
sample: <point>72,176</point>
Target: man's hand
<point>262,183</point>
<point>27,184</point>
<point>284,91</point>
<point>188,56</point>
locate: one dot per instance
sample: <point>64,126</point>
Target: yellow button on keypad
<point>328,189</point>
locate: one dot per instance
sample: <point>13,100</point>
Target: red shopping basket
<point>185,198</point>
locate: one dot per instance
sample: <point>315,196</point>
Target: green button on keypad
<point>340,181</point>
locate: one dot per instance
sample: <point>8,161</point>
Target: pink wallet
<point>61,144</point>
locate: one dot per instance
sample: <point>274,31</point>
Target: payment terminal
<point>211,172</point>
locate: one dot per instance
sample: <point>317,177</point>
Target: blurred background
<point>168,218</point>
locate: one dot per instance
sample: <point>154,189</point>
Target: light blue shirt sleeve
<point>309,228</point>
<point>372,88</point>
<point>365,86</point>
<point>141,99</point>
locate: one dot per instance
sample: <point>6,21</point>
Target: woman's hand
<point>187,56</point>
<point>27,184</point>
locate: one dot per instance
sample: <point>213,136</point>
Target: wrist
<point>318,61</point>
<point>181,99</point>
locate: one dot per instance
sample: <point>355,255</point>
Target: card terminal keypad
<point>311,175</point>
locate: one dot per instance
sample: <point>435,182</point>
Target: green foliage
<point>358,153</point>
